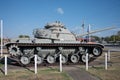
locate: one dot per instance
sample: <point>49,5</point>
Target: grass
<point>43,74</point>
<point>1,65</point>
<point>110,74</point>
<point>113,72</point>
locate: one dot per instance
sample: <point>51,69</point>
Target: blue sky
<point>22,16</point>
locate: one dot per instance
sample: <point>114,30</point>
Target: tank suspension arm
<point>86,51</point>
<point>79,51</point>
<point>29,53</point>
<point>59,52</point>
<point>82,50</point>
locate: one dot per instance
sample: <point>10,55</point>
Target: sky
<point>22,16</point>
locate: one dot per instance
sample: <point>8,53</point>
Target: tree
<point>24,36</point>
<point>96,38</point>
<point>107,39</point>
<point>113,38</point>
<point>118,33</point>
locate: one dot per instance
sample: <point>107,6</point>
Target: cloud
<point>60,11</point>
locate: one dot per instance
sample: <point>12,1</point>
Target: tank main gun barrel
<point>95,31</point>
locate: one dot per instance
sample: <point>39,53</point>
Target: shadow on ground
<point>12,64</point>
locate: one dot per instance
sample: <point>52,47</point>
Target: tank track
<point>56,44</point>
<point>91,49</point>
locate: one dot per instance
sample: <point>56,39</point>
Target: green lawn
<point>1,65</point>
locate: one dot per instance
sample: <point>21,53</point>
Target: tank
<point>51,41</point>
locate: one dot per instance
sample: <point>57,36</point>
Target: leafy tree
<point>107,39</point>
<point>96,38</point>
<point>113,38</point>
<point>118,33</point>
<point>24,36</point>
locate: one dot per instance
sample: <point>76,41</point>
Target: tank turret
<point>55,31</point>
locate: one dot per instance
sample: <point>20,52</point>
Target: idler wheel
<point>74,58</point>
<point>24,60</point>
<point>39,59</point>
<point>50,59</point>
<point>97,51</point>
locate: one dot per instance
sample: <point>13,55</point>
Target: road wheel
<point>39,59</point>
<point>24,60</point>
<point>64,59</point>
<point>74,58</point>
<point>83,58</point>
<point>50,59</point>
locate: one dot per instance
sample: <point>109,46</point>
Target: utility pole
<point>83,27</point>
<point>1,38</point>
<point>89,28</point>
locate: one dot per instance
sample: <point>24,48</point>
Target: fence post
<point>108,55</point>
<point>5,64</point>
<point>105,61</point>
<point>87,62</point>
<point>60,62</point>
<point>35,64</point>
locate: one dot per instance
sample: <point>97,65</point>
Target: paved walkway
<point>79,74</point>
